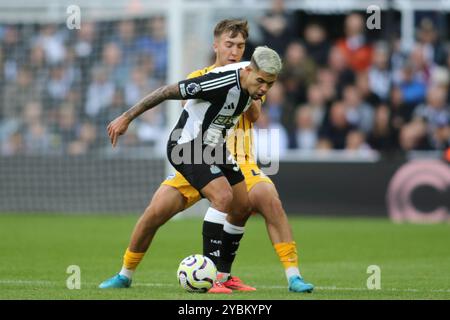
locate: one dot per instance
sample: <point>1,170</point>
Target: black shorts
<point>203,169</point>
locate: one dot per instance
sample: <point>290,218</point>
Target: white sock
<point>215,216</point>
<point>126,272</point>
<point>292,271</point>
<point>232,229</point>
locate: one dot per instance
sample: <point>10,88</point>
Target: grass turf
<point>334,255</point>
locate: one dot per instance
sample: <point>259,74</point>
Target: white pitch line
<point>149,284</point>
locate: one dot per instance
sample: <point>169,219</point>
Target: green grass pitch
<point>334,255</point>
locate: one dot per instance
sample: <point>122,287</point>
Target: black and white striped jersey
<point>215,102</point>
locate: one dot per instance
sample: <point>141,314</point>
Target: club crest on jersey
<point>214,169</point>
<point>193,88</point>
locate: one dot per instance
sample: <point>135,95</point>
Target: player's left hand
<point>117,127</point>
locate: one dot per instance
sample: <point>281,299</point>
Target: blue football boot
<point>297,284</point>
<point>116,282</point>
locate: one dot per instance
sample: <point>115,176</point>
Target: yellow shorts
<point>251,172</point>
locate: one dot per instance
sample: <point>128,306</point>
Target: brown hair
<point>235,26</point>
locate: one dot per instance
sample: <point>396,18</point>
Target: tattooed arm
<point>120,125</point>
<point>169,92</point>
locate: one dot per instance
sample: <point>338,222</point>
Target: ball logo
<point>408,178</point>
<point>192,88</point>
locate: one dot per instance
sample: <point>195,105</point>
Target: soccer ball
<point>197,273</point>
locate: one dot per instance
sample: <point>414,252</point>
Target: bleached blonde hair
<point>267,60</point>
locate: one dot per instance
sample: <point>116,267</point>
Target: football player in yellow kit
<point>176,194</point>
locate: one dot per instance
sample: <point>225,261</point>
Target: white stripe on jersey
<point>218,79</point>
<point>219,86</point>
<point>219,82</point>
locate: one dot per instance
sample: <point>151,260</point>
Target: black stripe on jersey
<point>180,125</point>
<point>238,79</point>
<point>213,111</point>
<point>243,100</point>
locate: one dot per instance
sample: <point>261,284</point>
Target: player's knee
<point>276,208</point>
<point>222,200</point>
<point>271,209</point>
<point>244,210</point>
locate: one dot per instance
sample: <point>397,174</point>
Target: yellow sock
<point>287,252</point>
<point>132,259</point>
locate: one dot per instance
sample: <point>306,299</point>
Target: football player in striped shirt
<point>176,194</point>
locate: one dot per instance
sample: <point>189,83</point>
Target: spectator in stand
<point>327,81</point>
<point>147,66</point>
<point>299,71</point>
<point>52,42</point>
<point>85,141</point>
<point>278,27</point>
<point>412,90</point>
<point>13,52</point>
<point>66,126</point>
<point>113,110</point>
<point>271,139</point>
<point>316,101</point>
<point>380,76</point>
<point>38,66</point>
<point>339,65</point>
<point>382,137</point>
<point>363,85</point>
<point>100,92</point>
<point>57,87</point>
<point>154,43</point>
<point>19,93</point>
<point>138,86</point>
<point>317,44</point>
<point>441,136</point>
<point>355,142</point>
<point>422,68</point>
<point>355,47</point>
<point>413,136</point>
<point>149,128</point>
<point>306,130</point>
<point>359,114</point>
<point>86,47</point>
<point>428,38</point>
<point>125,39</point>
<point>280,110</point>
<point>297,62</point>
<point>336,128</point>
<point>434,114</point>
<point>37,136</point>
<point>111,63</point>
<point>400,112</point>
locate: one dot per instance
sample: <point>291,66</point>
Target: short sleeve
<point>207,86</point>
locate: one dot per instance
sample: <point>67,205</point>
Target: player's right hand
<point>117,127</point>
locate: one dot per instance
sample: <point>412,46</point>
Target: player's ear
<point>215,45</point>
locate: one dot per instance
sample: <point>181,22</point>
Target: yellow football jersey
<point>240,140</point>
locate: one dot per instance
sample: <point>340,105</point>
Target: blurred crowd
<point>59,89</point>
<point>356,94</point>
